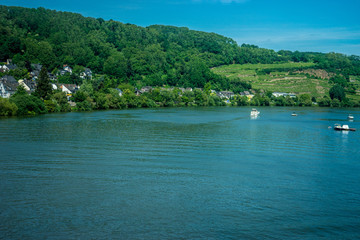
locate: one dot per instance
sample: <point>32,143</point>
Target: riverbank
<point>22,104</point>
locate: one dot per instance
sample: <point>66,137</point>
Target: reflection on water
<point>208,173</point>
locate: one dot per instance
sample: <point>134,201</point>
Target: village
<point>9,85</point>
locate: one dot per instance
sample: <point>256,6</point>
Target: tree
<point>338,79</point>
<point>337,92</point>
<point>325,102</point>
<point>43,88</point>
<point>207,88</point>
<point>305,100</point>
<point>116,65</point>
<point>335,103</point>
<point>242,101</point>
<point>197,73</point>
<point>20,90</point>
<point>7,108</point>
<point>39,52</point>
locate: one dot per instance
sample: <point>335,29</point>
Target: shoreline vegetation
<point>111,65</point>
<point>86,99</point>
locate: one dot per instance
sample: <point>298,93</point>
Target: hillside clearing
<point>282,77</point>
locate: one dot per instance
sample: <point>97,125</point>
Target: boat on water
<point>254,112</point>
<point>351,117</point>
<point>293,114</point>
<point>338,127</point>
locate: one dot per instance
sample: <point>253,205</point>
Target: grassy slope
<point>281,81</point>
<point>356,83</point>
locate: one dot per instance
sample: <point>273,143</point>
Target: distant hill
<point>156,55</point>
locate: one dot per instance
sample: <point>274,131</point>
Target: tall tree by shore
<point>43,88</point>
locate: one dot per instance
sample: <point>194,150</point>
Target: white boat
<point>351,117</point>
<point>294,114</point>
<point>254,112</point>
<point>338,127</point>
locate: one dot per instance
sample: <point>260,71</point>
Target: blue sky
<point>306,25</point>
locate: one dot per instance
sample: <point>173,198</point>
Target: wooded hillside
<point>155,55</point>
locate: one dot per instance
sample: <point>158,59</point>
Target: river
<point>181,173</point>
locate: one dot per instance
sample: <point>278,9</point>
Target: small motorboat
<point>254,112</point>
<point>351,117</point>
<point>294,114</point>
<point>338,127</point>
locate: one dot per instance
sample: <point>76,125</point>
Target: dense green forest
<point>155,55</point>
<point>133,56</point>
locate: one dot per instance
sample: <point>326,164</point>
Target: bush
<point>7,108</point>
<point>28,105</point>
<point>61,100</point>
<point>84,106</point>
<point>305,100</point>
<point>324,102</point>
<point>335,103</point>
<point>51,106</point>
<point>101,100</point>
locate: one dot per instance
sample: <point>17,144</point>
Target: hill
<point>298,78</point>
<point>157,55</point>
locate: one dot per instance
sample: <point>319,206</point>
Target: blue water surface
<point>181,173</point>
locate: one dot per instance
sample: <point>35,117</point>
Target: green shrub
<point>7,108</point>
<point>28,105</point>
<point>52,106</point>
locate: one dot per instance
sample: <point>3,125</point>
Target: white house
<point>4,68</point>
<point>4,91</point>
<point>22,83</point>
<point>279,94</point>
<point>86,74</point>
<point>66,69</point>
<point>69,89</point>
<point>282,94</point>
<point>8,86</point>
<point>226,94</point>
<point>7,67</point>
<point>29,85</point>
